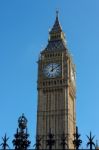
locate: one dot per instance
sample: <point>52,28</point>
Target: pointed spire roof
<point>56,32</point>
<point>56,27</point>
<point>56,40</point>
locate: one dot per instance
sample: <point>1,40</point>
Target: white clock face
<point>52,70</point>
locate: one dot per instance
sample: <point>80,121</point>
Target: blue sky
<point>24,26</point>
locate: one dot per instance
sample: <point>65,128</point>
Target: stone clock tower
<point>56,90</point>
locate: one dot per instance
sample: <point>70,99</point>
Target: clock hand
<point>56,67</point>
<point>52,68</point>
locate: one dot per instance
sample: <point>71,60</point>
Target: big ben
<point>56,90</point>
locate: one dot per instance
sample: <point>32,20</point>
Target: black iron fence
<point>21,141</point>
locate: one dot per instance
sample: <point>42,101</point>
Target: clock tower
<point>56,91</point>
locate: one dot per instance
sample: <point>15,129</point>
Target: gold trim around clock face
<point>52,70</point>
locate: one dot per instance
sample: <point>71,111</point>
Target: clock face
<point>52,70</point>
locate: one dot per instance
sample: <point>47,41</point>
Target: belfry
<point>56,91</point>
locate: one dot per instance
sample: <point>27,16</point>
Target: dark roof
<point>56,27</point>
<point>55,45</point>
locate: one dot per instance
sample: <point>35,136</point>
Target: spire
<point>57,12</point>
<point>56,32</point>
<point>56,40</point>
<point>56,27</point>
